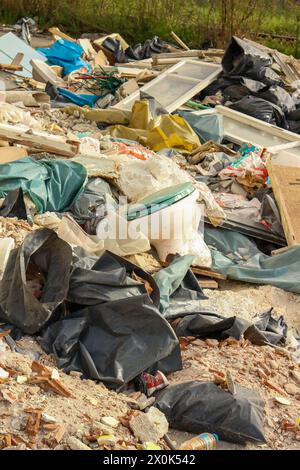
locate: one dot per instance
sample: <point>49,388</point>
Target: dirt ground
<point>255,367</point>
<point>249,300</point>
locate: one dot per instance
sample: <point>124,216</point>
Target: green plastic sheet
<point>206,126</point>
<point>53,185</point>
<point>170,278</point>
<point>238,257</point>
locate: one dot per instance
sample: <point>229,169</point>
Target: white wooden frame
<point>175,72</point>
<point>264,131</point>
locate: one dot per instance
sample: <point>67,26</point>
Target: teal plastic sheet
<point>238,257</point>
<point>170,278</point>
<point>53,185</point>
<point>207,126</point>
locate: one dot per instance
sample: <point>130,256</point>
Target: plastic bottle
<point>205,441</point>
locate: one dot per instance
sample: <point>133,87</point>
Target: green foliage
<point>193,20</point>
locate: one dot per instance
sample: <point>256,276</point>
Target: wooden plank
<point>178,54</point>
<point>49,143</point>
<point>208,284</point>
<point>18,59</point>
<point>280,251</point>
<point>286,187</point>
<point>14,68</point>
<point>208,273</point>
<point>179,41</point>
<point>290,74</point>
<point>88,48</point>
<point>58,34</point>
<point>201,271</point>
<point>171,60</point>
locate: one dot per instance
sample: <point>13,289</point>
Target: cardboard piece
<point>10,154</point>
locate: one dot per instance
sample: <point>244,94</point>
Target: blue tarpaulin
<point>66,54</point>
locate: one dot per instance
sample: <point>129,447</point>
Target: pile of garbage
<point>133,179</point>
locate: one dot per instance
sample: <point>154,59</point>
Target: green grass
<point>193,20</point>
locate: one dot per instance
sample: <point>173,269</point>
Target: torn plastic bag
<point>241,58</point>
<point>278,96</point>
<point>211,325</point>
<point>147,49</point>
<point>178,287</point>
<point>14,206</point>
<point>53,185</point>
<point>117,234</point>
<point>207,324</point>
<point>235,92</point>
<point>238,257</point>
<point>198,407</point>
<point>170,278</point>
<point>207,127</point>
<point>136,52</point>
<point>267,328</point>
<point>269,213</point>
<point>260,109</point>
<point>7,244</point>
<point>294,126</point>
<point>114,341</point>
<point>156,132</point>
<point>67,55</point>
<point>114,46</point>
<point>224,82</point>
<point>91,203</point>
<point>294,115</point>
<point>109,279</point>
<point>47,258</point>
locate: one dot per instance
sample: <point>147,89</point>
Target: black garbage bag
<point>114,341</point>
<point>36,281</point>
<point>211,325</point>
<point>146,50</point>
<point>235,92</point>
<point>241,58</point>
<point>226,81</point>
<point>198,407</point>
<point>136,52</point>
<point>114,46</point>
<point>260,109</point>
<point>294,126</point>
<point>279,96</point>
<point>204,325</point>
<point>14,206</point>
<point>109,279</point>
<point>294,115</point>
